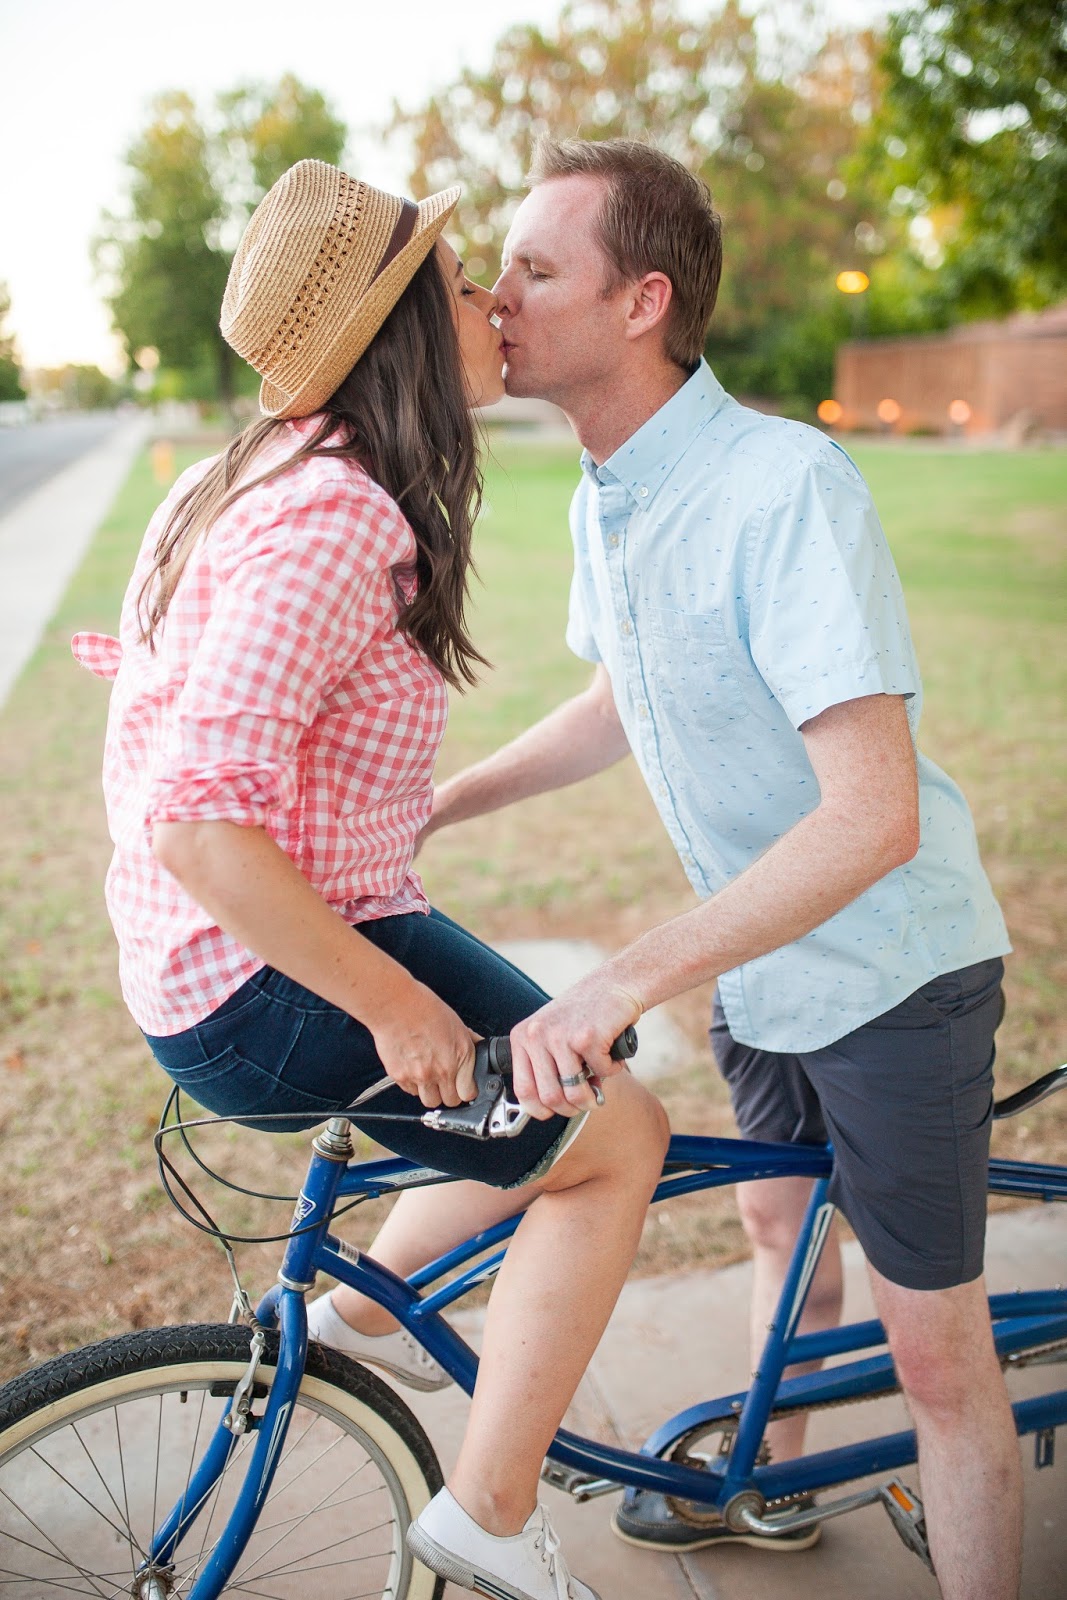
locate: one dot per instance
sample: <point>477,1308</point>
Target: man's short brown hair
<point>656,217</point>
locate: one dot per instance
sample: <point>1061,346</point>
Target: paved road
<point>31,454</point>
<point>80,464</point>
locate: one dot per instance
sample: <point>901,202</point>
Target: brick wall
<point>1002,370</point>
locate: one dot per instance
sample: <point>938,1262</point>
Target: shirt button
<point>643,492</point>
<point>613,540</point>
<point>627,628</point>
<point>642,711</point>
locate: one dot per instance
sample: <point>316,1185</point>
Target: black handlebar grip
<point>623,1048</point>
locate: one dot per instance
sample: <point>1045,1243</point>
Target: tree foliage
<point>769,120</point>
<point>971,139</point>
<point>193,182</point>
<point>10,381</point>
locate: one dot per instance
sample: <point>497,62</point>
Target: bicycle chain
<point>689,1510</point>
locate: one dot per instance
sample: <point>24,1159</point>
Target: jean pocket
<point>229,1085</point>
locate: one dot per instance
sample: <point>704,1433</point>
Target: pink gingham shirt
<point>280,695</point>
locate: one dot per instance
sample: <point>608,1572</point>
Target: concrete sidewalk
<point>677,1338</point>
<point>43,538</point>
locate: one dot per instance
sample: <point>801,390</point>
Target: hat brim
<point>368,315</point>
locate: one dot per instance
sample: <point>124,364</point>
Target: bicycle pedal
<point>906,1514</point>
<point>571,1481</point>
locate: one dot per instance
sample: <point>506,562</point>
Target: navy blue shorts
<point>907,1103</point>
<point>274,1047</point>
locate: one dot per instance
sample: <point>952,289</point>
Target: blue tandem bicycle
<point>239,1458</point>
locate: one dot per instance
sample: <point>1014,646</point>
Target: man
<point>734,590</point>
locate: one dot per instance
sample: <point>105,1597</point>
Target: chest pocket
<point>689,672</point>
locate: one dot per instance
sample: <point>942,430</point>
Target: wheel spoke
<point>107,1458</point>
<point>60,1554</point>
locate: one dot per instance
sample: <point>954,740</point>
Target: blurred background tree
<point>769,119</point>
<point>193,181</point>
<point>76,387</point>
<point>10,380</point>
<point>968,143</point>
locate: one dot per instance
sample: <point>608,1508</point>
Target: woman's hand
<point>425,1048</point>
<point>568,1035</point>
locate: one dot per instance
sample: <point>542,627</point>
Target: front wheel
<point>98,1446</point>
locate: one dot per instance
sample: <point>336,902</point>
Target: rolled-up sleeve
<point>827,620</point>
<point>295,602</point>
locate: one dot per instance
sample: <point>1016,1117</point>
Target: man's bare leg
<point>772,1211</point>
<point>942,1345</point>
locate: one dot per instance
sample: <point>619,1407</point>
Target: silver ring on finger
<point>573,1082</point>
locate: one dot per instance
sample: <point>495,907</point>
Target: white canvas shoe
<point>399,1354</point>
<point>526,1566</point>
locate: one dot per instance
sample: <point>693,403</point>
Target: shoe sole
<point>424,1386</point>
<point>454,1569</point>
<point>783,1546</point>
<point>430,1386</point>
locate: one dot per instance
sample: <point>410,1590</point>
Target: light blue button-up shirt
<point>733,577</point>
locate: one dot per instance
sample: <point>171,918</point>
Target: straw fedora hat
<point>322,262</point>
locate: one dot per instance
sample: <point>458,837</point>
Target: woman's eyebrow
<point>459,272</point>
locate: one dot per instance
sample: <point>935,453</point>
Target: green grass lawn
<point>980,541</point>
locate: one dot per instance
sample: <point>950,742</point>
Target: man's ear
<point>650,298</point>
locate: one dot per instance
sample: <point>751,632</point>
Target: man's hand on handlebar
<point>566,1040</point>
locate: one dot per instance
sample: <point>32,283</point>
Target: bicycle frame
<point>1021,1321</point>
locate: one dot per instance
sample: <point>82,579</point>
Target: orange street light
<point>889,411</point>
<point>959,412</point>
<point>830,411</point>
<point>852,282</point>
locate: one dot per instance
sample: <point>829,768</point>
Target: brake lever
<point>492,1114</point>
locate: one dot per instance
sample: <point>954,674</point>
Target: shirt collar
<point>644,462</point>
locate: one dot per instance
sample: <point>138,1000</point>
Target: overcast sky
<point>76,76</point>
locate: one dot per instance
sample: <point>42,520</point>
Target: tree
<point>192,186</point>
<point>970,139</point>
<point>76,387</point>
<point>770,126</point>
<point>10,381</point>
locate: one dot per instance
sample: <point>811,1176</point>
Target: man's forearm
<point>821,865</point>
<point>580,738</point>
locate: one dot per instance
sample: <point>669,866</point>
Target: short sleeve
<point>827,620</point>
<point>297,598</point>
<point>580,638</point>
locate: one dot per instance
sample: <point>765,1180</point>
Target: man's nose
<point>500,295</point>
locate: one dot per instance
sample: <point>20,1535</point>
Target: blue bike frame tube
<point>288,1307</point>
<point>774,1356</point>
<point>209,1469</point>
<point>270,1437</point>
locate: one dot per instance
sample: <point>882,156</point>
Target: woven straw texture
<point>302,302</point>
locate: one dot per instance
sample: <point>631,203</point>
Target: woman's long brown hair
<point>402,414</point>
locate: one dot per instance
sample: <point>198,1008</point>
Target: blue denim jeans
<point>275,1047</point>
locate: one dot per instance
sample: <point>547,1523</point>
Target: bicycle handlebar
<point>498,1050</point>
<point>492,1114</point>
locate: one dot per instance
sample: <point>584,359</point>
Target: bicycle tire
<point>95,1447</point>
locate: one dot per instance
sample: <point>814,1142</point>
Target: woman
<point>278,703</point>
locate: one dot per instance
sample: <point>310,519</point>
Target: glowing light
<point>959,412</point>
<point>830,411</point>
<point>889,411</point>
<point>852,282</point>
<point>147,358</point>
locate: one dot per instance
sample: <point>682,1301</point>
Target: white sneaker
<point>526,1566</point>
<point>399,1354</point>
